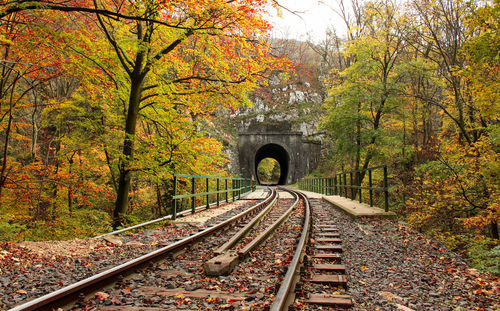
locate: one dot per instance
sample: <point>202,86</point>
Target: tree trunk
<point>124,178</point>
<point>494,230</point>
<point>3,174</point>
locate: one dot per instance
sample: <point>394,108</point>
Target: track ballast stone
<point>392,267</point>
<point>28,273</point>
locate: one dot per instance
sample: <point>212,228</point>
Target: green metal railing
<point>341,185</point>
<point>193,190</point>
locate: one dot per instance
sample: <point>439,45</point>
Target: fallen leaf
<point>211,299</point>
<point>403,308</point>
<point>21,291</point>
<point>101,295</point>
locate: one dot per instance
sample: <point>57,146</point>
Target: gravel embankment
<point>392,267</point>
<point>32,269</point>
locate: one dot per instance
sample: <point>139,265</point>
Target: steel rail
<point>281,299</point>
<point>239,235</point>
<point>64,295</point>
<point>263,235</point>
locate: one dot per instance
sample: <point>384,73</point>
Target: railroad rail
<point>296,269</point>
<point>316,265</point>
<point>74,292</point>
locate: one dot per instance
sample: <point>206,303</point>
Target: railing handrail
<point>211,177</point>
<point>199,194</point>
<point>238,186</point>
<point>340,185</point>
<point>353,171</point>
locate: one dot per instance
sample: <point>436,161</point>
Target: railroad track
<point>231,265</point>
<point>77,291</point>
<point>315,279</point>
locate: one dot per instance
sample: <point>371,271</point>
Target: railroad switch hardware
<point>222,264</point>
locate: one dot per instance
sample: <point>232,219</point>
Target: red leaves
<point>101,295</point>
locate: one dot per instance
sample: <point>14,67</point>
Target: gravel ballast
<point>392,267</point>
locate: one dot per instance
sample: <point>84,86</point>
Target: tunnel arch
<point>278,153</point>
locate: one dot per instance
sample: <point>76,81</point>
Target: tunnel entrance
<point>268,172</point>
<point>278,153</point>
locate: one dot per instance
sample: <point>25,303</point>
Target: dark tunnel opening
<point>279,154</point>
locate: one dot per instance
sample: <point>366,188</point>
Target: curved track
<point>287,255</point>
<point>75,291</point>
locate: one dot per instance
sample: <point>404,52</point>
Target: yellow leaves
<point>211,299</point>
<point>363,268</point>
<point>19,137</point>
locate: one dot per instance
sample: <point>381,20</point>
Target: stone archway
<point>296,155</point>
<point>278,153</point>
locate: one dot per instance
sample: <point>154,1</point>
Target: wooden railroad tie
<point>332,279</point>
<point>329,229</point>
<point>330,300</point>
<point>328,235</point>
<point>323,226</point>
<point>330,267</point>
<point>335,256</point>
<point>329,247</point>
<point>329,240</point>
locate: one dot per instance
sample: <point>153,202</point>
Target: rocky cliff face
<point>290,104</point>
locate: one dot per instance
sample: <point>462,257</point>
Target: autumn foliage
<point>417,89</point>
<point>101,102</point>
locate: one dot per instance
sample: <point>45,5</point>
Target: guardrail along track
<point>76,291</point>
<point>316,265</point>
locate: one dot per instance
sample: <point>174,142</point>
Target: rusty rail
<point>263,235</point>
<point>280,301</point>
<point>67,294</point>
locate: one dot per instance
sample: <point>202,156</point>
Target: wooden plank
<point>330,300</point>
<point>328,230</point>
<point>328,234</point>
<point>334,279</point>
<point>329,247</point>
<point>329,267</point>
<point>329,240</point>
<point>327,256</point>
<point>326,227</point>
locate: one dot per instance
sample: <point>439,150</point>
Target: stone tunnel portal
<point>296,155</point>
<point>278,153</point>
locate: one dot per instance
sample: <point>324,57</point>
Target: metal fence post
<point>232,188</point>
<point>226,190</point>
<point>193,192</point>
<point>350,186</point>
<point>335,184</point>
<point>218,197</point>
<point>358,182</point>
<point>174,207</point>
<point>345,186</point>
<point>386,190</point>
<point>208,195</point>
<point>239,188</point>
<point>370,185</point>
